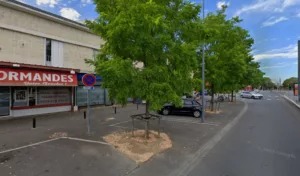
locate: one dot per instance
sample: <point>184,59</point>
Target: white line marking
<point>276,152</point>
<point>30,145</point>
<point>199,123</point>
<point>117,126</point>
<point>268,99</point>
<point>85,140</point>
<point>119,123</point>
<point>196,157</point>
<point>50,140</point>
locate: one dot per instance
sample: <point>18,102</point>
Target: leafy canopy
<point>157,34</point>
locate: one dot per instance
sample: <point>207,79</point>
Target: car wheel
<point>197,114</point>
<point>165,111</point>
<point>253,97</point>
<point>242,96</point>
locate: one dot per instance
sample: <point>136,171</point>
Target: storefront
<point>98,96</point>
<point>29,89</point>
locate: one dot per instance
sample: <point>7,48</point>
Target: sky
<point>273,24</point>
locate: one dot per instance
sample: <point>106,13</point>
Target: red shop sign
<point>24,77</point>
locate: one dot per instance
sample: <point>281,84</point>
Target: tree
<point>227,50</point>
<point>267,83</point>
<point>289,82</point>
<point>158,34</point>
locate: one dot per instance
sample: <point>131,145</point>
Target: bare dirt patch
<point>138,148</point>
<point>213,112</point>
<point>58,135</point>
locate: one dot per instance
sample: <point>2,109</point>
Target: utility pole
<point>203,72</point>
<point>298,70</point>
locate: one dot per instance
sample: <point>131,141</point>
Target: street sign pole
<point>203,72</point>
<point>88,111</point>
<point>89,81</point>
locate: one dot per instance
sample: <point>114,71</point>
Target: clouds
<point>271,21</point>
<point>220,4</point>
<point>70,13</point>
<point>288,52</point>
<point>50,3</point>
<point>278,65</point>
<point>267,6</point>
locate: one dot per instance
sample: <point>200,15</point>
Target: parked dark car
<point>190,107</point>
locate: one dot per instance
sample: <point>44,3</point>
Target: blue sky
<point>272,23</point>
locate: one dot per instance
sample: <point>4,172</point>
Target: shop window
<point>53,95</point>
<point>32,96</point>
<point>20,97</point>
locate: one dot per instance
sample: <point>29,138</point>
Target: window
<point>20,96</point>
<point>54,53</point>
<point>188,102</point>
<point>196,103</point>
<point>48,52</point>
<point>95,53</point>
<point>32,96</point>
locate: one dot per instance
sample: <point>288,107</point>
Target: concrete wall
<point>22,39</point>
<point>74,57</point>
<point>19,47</point>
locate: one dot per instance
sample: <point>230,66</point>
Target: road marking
<point>196,157</point>
<point>120,123</point>
<point>30,145</point>
<point>268,99</point>
<point>189,121</point>
<point>50,140</point>
<point>276,152</point>
<point>85,140</point>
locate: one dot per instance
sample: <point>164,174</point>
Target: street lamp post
<point>203,67</point>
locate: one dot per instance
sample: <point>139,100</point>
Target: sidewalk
<point>90,155</point>
<point>289,95</point>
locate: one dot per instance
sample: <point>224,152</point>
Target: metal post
<point>132,127</point>
<point>203,72</point>
<point>84,114</point>
<point>115,109</point>
<point>298,70</point>
<point>33,123</point>
<point>88,111</point>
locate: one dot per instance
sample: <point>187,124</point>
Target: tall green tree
<point>156,33</point>
<point>267,83</point>
<point>289,82</point>
<point>227,49</point>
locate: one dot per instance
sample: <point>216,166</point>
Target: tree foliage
<point>267,83</point>
<point>229,65</point>
<point>289,82</point>
<point>165,36</point>
<point>158,34</point>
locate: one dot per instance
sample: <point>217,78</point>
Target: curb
<point>292,101</point>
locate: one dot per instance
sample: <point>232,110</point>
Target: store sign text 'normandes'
<point>22,77</point>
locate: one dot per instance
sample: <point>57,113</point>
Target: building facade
<point>41,59</point>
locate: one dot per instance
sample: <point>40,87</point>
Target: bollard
<point>84,114</point>
<point>33,123</point>
<point>115,110</point>
<point>137,106</point>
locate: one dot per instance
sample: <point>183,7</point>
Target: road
<point>264,142</point>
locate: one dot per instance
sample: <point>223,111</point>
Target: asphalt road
<point>264,142</point>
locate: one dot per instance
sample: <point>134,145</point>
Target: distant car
<point>190,107</point>
<point>253,95</point>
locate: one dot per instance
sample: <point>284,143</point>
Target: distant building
<point>42,61</point>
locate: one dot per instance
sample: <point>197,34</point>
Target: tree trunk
<point>232,96</point>
<point>212,98</point>
<point>147,122</point>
